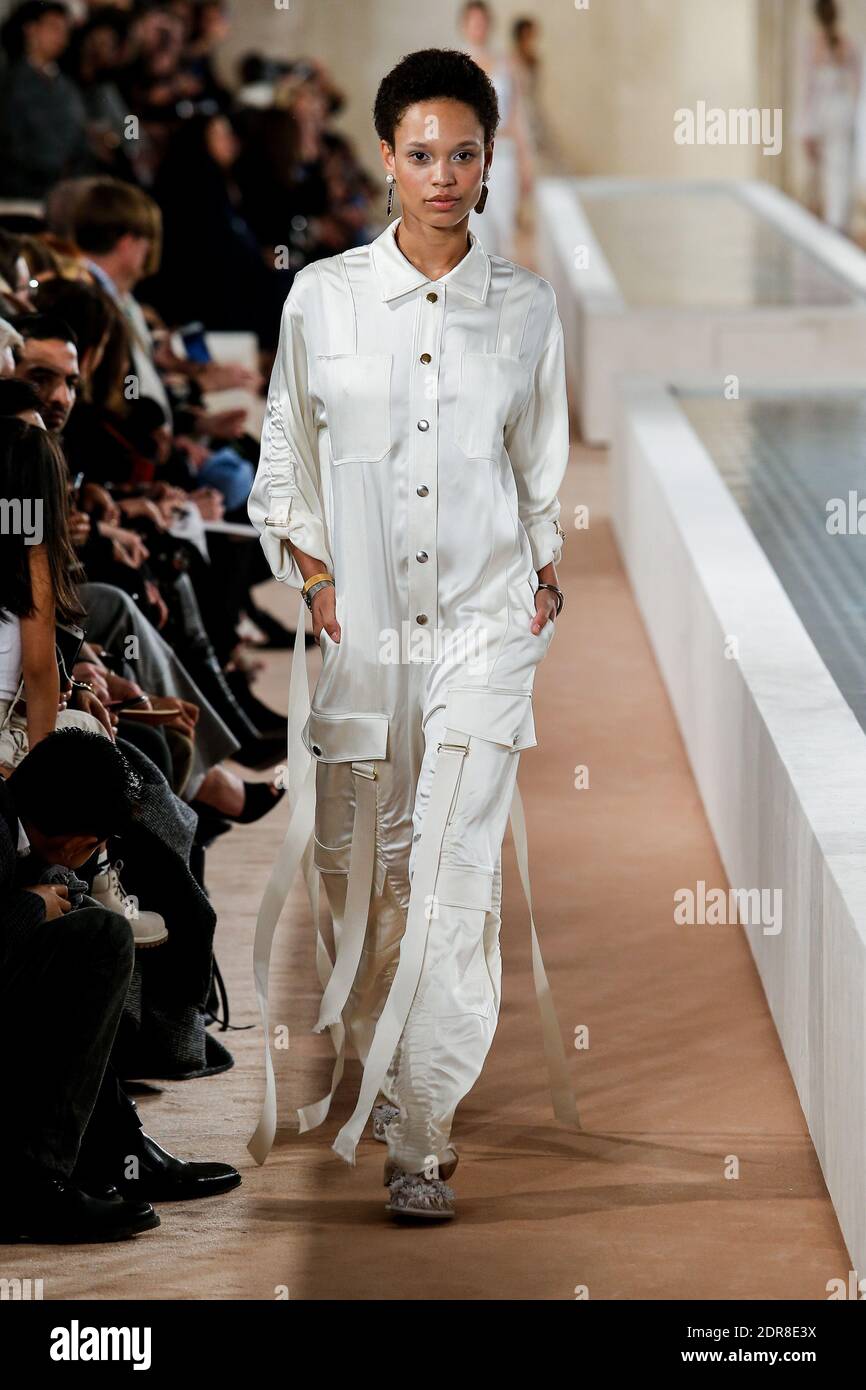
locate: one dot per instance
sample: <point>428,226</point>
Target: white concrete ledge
<point>778,756</point>
<point>606,335</point>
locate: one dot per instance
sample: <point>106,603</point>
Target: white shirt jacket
<point>415,438</point>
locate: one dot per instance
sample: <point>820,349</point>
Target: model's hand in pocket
<point>325,614</point>
<point>545,611</point>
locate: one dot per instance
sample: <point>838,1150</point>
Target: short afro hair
<point>434,74</point>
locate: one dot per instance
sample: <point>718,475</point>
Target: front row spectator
<point>75,1165</point>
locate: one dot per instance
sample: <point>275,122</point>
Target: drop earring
<point>391,182</point>
<point>482,199</point>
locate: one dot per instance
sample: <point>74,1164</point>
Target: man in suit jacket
<point>76,1164</point>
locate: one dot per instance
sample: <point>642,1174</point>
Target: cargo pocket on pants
<point>336,741</point>
<point>459,980</point>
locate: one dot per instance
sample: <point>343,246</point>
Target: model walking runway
<point>416,435</point>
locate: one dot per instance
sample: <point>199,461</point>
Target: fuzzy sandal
<point>382,1116</point>
<point>415,1197</point>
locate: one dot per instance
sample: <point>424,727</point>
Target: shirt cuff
<point>287,521</point>
<point>545,542</point>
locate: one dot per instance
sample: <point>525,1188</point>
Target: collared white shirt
<point>415,437</point>
<point>140,345</point>
<point>23,842</point>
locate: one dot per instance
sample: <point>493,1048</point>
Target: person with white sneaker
<point>148,928</point>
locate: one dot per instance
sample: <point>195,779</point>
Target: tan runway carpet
<point>683,1080</point>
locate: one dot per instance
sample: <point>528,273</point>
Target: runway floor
<point>683,1076</point>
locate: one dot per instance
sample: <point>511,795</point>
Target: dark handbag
<point>68,640</point>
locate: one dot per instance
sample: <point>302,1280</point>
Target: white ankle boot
<point>148,928</point>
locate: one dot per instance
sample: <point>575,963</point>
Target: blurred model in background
<point>511,173</point>
<point>829,125</point>
<point>527,66</point>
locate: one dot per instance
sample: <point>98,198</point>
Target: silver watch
<point>308,596</point>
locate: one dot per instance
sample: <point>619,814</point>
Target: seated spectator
<point>10,342</point>
<point>111,620</point>
<point>14,276</point>
<point>211,26</point>
<point>98,52</point>
<point>67,1174</point>
<point>165,1030</point>
<point>119,230</point>
<point>42,118</point>
<point>48,360</point>
<point>197,174</point>
<point>37,569</point>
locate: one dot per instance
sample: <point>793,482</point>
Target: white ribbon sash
<point>337,979</point>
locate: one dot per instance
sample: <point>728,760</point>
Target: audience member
<point>162,201</point>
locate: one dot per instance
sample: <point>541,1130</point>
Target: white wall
<point>614,73</point>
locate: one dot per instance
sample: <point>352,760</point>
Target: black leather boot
<point>192,643</point>
<point>269,722</point>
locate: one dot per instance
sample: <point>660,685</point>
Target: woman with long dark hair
<point>415,438</point>
<point>37,563</point>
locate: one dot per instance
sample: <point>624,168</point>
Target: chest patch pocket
<point>356,391</point>
<point>491,388</point>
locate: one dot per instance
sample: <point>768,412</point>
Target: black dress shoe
<point>107,1192</point>
<point>51,1210</point>
<point>164,1178</point>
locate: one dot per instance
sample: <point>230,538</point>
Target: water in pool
<point>787,460</point>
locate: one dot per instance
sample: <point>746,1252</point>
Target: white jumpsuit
<point>415,437</point>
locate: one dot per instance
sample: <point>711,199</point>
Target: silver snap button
<point>421,618</point>
<point>423,425</point>
<point>422,557</point>
<point>422,491</point>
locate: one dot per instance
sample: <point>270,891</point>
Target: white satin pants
<point>455,1009</point>
<point>436,902</point>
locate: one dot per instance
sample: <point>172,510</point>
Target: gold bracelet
<point>316,579</point>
